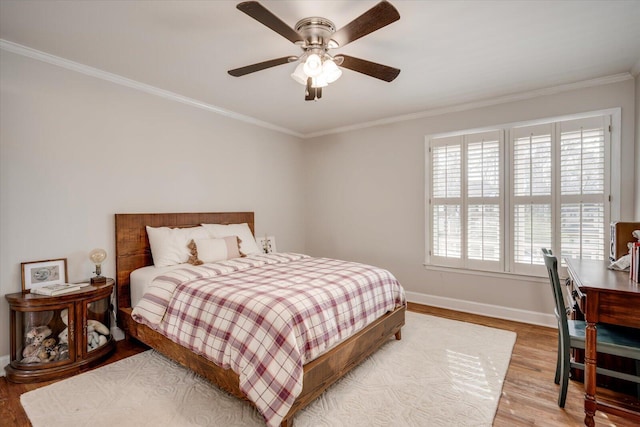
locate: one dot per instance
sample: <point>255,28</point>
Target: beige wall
<point>75,150</point>
<point>365,199</point>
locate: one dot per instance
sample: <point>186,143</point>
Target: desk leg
<point>590,356</point>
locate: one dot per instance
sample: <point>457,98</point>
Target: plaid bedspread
<point>265,316</point>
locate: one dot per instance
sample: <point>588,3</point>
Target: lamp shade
<point>313,65</point>
<point>319,81</point>
<point>298,75</point>
<point>330,71</point>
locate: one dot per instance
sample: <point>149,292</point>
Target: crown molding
<point>480,104</point>
<point>117,79</point>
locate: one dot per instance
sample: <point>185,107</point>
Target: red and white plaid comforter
<point>265,316</point>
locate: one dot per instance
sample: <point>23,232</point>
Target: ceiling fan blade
<point>237,72</point>
<point>375,18</point>
<point>379,71</point>
<point>265,17</point>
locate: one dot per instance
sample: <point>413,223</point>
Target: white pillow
<point>212,250</point>
<point>169,245</point>
<point>248,243</point>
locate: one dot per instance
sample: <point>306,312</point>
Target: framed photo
<point>41,273</point>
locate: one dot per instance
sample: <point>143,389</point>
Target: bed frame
<point>133,251</point>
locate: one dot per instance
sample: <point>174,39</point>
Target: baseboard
<point>499,312</point>
<point>4,361</point>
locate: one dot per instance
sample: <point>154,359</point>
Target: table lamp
<point>97,256</point>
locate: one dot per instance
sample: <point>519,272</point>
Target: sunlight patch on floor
<point>468,374</point>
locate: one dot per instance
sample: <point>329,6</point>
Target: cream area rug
<point>442,373</point>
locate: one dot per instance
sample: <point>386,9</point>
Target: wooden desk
<point>610,298</point>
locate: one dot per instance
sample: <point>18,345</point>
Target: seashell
<point>37,334</point>
<point>31,359</point>
<point>98,327</point>
<point>63,337</point>
<point>63,352</point>
<point>30,350</point>
<point>93,340</point>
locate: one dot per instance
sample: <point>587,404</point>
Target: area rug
<point>442,373</point>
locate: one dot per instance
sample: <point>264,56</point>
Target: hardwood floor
<point>529,395</point>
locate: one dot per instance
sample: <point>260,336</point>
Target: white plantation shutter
<point>447,231</point>
<point>465,200</point>
<point>484,200</point>
<point>446,202</point>
<point>483,232</point>
<point>583,185</point>
<point>493,205</point>
<point>531,195</point>
<point>582,234</point>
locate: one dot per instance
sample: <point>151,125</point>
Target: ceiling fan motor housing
<point>316,32</point>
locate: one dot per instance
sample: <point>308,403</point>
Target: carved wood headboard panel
<point>132,243</point>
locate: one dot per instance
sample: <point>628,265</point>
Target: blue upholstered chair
<point>614,340</point>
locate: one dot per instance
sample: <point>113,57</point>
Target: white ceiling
<point>450,52</point>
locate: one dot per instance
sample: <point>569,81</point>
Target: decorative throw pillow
<point>212,250</point>
<point>169,245</point>
<point>248,243</point>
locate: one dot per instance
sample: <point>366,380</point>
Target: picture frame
<point>267,244</point>
<point>36,274</point>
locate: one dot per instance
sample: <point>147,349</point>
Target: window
<point>494,198</point>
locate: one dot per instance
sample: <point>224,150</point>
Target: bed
<point>133,252</point>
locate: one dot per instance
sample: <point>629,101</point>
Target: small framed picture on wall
<point>36,274</point>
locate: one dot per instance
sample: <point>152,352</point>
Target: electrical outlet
<point>267,244</point>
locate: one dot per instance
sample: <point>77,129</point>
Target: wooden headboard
<point>132,243</point>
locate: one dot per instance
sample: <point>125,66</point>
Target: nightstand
<point>57,336</point>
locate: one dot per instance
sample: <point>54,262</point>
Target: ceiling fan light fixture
<point>330,71</point>
<point>313,65</point>
<point>299,75</point>
<point>319,81</point>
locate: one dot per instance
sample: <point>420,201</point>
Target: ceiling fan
<point>316,36</point>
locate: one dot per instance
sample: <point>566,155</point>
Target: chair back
<point>551,263</point>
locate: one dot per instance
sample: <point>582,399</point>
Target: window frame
<point>611,196</point>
